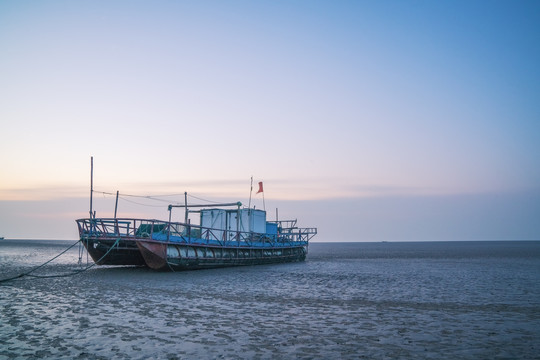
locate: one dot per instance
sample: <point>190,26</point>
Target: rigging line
<point>103,192</point>
<point>132,195</point>
<point>165,195</point>
<point>198,198</point>
<point>146,197</point>
<point>156,197</point>
<point>137,203</point>
<point>159,195</point>
<point>151,197</point>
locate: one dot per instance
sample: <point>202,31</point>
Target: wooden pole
<point>91,183</point>
<point>185,201</point>
<point>249,206</point>
<point>169,225</point>
<point>116,205</point>
<point>238,222</point>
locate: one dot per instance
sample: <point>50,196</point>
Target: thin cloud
<point>233,189</point>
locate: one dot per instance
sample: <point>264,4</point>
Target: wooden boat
<point>224,237</point>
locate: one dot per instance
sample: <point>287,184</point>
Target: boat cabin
<point>244,220</point>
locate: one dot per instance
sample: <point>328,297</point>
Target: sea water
<point>392,300</point>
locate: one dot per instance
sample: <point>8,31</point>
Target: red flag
<point>260,188</point>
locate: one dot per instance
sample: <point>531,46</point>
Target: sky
<point>370,120</point>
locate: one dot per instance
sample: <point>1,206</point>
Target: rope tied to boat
<point>29,273</point>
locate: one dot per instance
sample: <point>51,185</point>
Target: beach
<point>432,300</point>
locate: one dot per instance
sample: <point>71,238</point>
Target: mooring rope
<point>38,267</point>
<point>29,273</point>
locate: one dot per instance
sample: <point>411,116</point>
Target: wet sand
<point>327,307</point>
<point>129,313</point>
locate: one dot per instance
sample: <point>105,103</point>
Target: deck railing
<point>159,230</point>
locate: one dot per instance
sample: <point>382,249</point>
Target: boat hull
<point>106,251</point>
<point>159,256</point>
<point>177,257</point>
